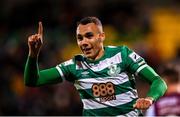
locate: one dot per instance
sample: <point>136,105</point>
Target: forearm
<point>157,89</point>
<point>34,77</point>
<point>158,86</point>
<point>31,72</point>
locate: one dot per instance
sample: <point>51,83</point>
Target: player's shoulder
<point>124,51</point>
<point>68,62</point>
<point>73,60</point>
<point>117,48</point>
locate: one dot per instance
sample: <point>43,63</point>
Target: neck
<point>100,54</point>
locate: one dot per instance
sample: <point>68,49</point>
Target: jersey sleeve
<point>65,70</point>
<point>134,62</point>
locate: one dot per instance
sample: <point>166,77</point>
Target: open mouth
<point>86,50</point>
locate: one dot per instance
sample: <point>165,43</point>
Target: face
<point>90,40</point>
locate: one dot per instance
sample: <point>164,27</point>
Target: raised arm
<point>32,75</point>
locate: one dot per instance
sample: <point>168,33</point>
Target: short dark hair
<point>87,20</point>
<point>171,71</point>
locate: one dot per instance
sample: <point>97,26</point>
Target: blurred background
<point>151,28</point>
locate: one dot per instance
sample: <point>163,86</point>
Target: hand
<point>143,103</point>
<point>35,42</point>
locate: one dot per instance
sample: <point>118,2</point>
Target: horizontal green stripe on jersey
<point>111,111</point>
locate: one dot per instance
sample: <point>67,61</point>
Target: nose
<point>84,42</point>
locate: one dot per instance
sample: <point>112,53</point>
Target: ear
<point>102,36</point>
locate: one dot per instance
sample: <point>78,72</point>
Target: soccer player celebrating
<point>103,76</point>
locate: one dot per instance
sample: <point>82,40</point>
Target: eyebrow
<point>88,33</point>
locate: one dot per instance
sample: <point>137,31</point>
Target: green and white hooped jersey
<point>106,86</point>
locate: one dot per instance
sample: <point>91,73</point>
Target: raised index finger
<point>40,29</point>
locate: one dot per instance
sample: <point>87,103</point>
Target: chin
<point>89,56</point>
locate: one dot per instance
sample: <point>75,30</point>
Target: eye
<point>89,35</point>
<point>79,37</point>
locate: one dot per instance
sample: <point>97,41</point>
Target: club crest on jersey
<point>114,70</point>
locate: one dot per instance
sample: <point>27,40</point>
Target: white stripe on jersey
<point>88,82</point>
<point>140,68</point>
<point>133,113</point>
<point>116,59</point>
<point>142,62</point>
<point>110,46</point>
<point>68,62</point>
<point>60,72</point>
<point>120,100</point>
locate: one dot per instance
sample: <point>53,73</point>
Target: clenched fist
<point>35,42</point>
<point>143,103</point>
